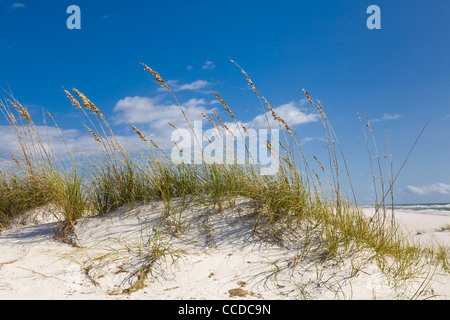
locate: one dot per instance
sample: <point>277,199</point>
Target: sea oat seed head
<point>72,99</point>
<point>156,75</point>
<point>247,78</point>
<point>154,144</point>
<point>88,104</point>
<point>139,133</point>
<point>318,162</point>
<point>93,133</point>
<point>224,104</point>
<point>21,110</point>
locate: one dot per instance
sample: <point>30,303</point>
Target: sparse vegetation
<point>296,198</point>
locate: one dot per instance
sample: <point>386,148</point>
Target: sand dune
<point>130,254</point>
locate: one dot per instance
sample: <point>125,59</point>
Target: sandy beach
<point>426,227</point>
<point>218,256</point>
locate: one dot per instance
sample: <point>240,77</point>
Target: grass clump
<point>297,196</point>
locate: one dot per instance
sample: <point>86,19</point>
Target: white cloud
<point>189,68</point>
<point>194,102</point>
<point>388,116</point>
<point>76,141</point>
<point>152,115</point>
<point>208,65</point>
<point>310,139</point>
<point>193,86</point>
<point>292,112</point>
<point>196,85</point>
<point>440,188</point>
<point>17,5</point>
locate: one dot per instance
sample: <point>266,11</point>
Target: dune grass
<point>296,197</point>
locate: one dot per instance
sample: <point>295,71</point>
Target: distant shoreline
<point>428,208</point>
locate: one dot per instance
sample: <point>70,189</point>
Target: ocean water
<point>441,208</point>
<point>425,207</point>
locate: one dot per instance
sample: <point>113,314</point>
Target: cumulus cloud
<point>196,85</point>
<point>193,86</point>
<point>17,5</point>
<point>440,188</point>
<point>293,113</point>
<point>52,139</point>
<point>208,65</point>
<point>387,117</point>
<point>153,114</point>
<point>58,144</point>
<point>310,139</point>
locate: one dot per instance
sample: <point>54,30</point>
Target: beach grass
<point>297,197</point>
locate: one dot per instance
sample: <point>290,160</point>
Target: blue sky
<point>399,76</point>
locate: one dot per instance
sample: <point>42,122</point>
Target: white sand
<point>218,257</point>
<point>424,227</point>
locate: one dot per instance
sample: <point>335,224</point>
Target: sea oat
<point>11,116</point>
<point>282,147</point>
<point>318,162</point>
<point>308,97</point>
<point>83,98</point>
<point>248,79</point>
<point>15,107</point>
<point>320,108</point>
<point>224,104</point>
<point>207,138</point>
<point>139,133</point>
<point>218,118</point>
<point>274,115</point>
<point>156,75</point>
<point>93,133</point>
<point>211,121</point>
<point>223,124</point>
<point>246,132</point>
<point>368,126</point>
<point>73,100</point>
<point>268,145</point>
<point>16,161</point>
<point>154,144</point>
<point>88,104</point>
<point>288,129</point>
<point>21,110</point>
<point>286,159</point>
<point>178,147</point>
<point>317,176</point>
<point>277,117</point>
